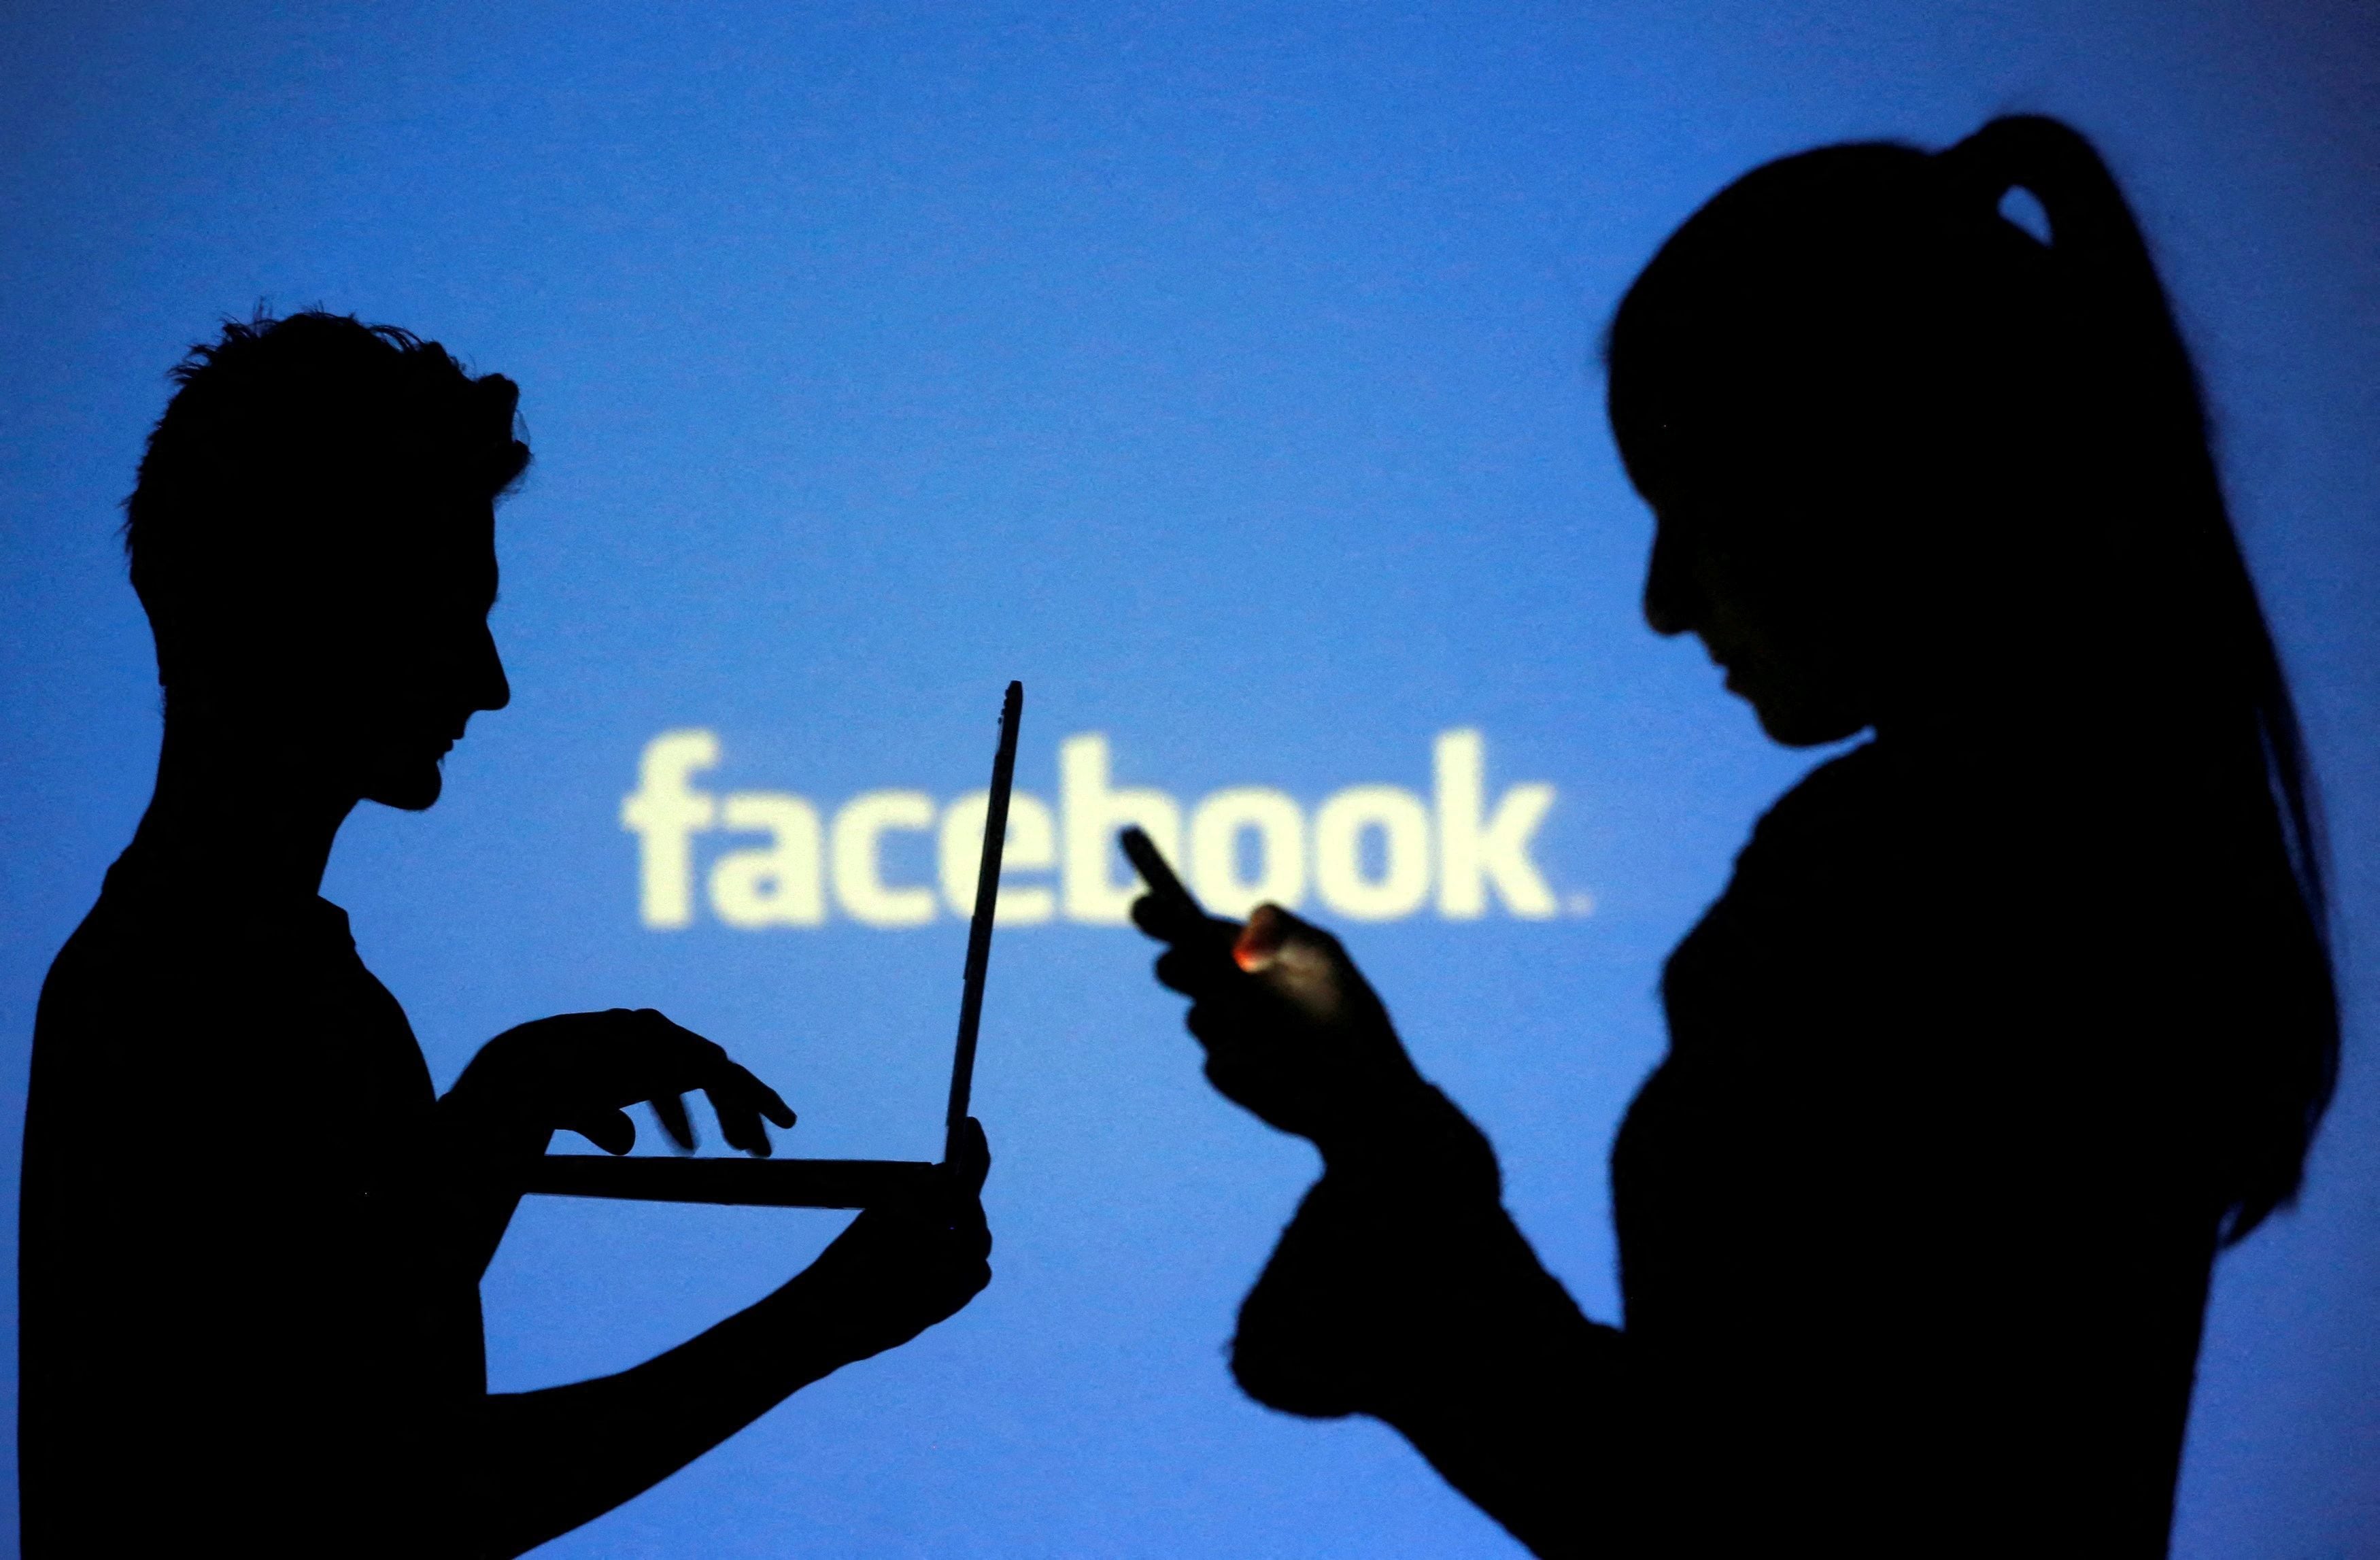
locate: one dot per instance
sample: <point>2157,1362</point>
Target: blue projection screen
<point>1226,373</point>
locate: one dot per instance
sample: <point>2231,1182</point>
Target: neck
<point>247,803</point>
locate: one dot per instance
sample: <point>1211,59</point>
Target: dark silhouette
<point>252,1235</point>
<point>2009,1019</point>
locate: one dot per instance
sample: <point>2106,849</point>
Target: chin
<point>1806,728</point>
<point>412,788</point>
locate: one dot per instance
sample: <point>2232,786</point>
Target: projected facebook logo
<point>1367,852</point>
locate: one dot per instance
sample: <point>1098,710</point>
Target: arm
<point>1403,1289</point>
<point>559,1457</point>
<point>548,1461</point>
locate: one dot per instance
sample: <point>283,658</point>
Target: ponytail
<point>2164,503</point>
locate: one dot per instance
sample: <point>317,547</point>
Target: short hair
<point>298,458</point>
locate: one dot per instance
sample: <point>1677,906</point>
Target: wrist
<point>1409,1131</point>
<point>826,1317</point>
<point>479,1124</point>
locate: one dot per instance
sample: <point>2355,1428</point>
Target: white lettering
<point>777,885</point>
<point>662,813</point>
<point>858,840</point>
<point>1280,828</point>
<point>1092,814</point>
<point>1339,830</point>
<point>1472,853</point>
<point>1368,853</point>
<point>1032,845</point>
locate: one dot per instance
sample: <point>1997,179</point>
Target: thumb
<point>972,1160</point>
<point>610,1130</point>
<point>1302,964</point>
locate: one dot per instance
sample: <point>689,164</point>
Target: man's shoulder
<point>93,966</point>
<point>132,930</point>
<point>165,1007</point>
<point>154,958</point>
<point>118,963</point>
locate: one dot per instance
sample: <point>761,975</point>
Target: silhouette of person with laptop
<point>252,1233</point>
<point>2010,1017</point>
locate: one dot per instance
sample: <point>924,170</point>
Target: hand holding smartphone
<point>1292,1030</point>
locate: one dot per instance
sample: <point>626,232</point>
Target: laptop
<point>823,1183</point>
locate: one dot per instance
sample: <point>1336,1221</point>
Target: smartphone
<point>1151,863</point>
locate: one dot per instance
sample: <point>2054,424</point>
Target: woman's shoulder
<point>1876,840</point>
<point>1946,815</point>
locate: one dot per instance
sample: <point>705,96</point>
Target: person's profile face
<point>1771,615</point>
<point>414,660</point>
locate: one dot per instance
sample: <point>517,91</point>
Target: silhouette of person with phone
<point>2010,1017</point>
<point>252,1235</point>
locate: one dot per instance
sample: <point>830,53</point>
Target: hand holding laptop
<point>912,1259</point>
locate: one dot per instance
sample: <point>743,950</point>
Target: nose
<point>1670,599</point>
<point>490,690</point>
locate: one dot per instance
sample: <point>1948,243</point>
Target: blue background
<point>1225,372</point>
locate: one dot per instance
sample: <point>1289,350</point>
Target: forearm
<point>1518,1400</point>
<point>555,1458</point>
<point>1404,1278</point>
